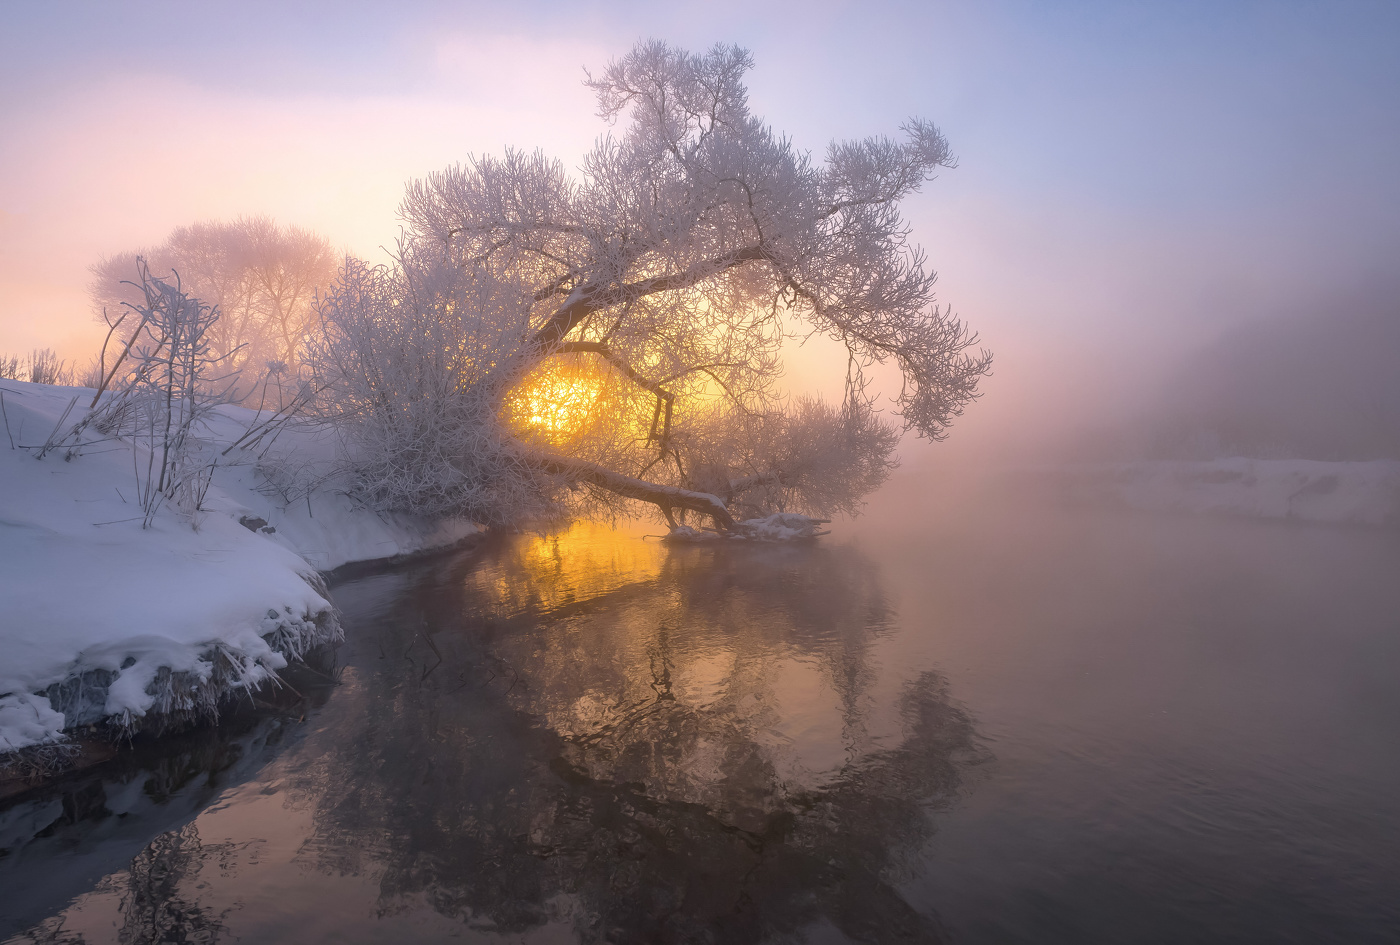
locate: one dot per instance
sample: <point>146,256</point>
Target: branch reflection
<point>644,743</point>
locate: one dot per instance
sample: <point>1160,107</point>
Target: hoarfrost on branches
<point>263,279</point>
<point>163,386</point>
<point>547,341</point>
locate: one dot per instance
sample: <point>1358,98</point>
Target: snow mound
<point>26,720</point>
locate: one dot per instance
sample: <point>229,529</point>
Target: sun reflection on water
<point>618,633</point>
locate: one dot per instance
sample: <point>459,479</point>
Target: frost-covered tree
<point>545,337</point>
<point>261,276</point>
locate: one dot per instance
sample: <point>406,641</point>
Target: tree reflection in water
<point>585,737</point>
<point>614,735</point>
<point>155,910</point>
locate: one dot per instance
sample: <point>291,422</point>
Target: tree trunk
<point>666,497</point>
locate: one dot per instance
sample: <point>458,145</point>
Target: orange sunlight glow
<point>556,403</point>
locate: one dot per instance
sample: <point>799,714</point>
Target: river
<point>968,716</point>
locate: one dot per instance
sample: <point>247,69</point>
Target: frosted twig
<point>6,415</point>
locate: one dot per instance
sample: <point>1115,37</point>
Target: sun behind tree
<point>558,404</point>
<point>692,244</point>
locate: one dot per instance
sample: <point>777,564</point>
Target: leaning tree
<point>543,338</point>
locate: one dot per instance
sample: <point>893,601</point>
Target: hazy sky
<point>1133,175</point>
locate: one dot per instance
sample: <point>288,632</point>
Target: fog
<point>1159,217</point>
<point>1320,384</point>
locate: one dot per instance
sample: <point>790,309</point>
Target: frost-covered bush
<point>42,366</point>
<point>160,390</point>
<point>411,364</point>
<point>46,367</point>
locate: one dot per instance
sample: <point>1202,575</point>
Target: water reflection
<point>653,744</point>
<point>590,737</point>
<point>90,836</point>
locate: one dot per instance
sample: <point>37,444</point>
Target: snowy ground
<point>1356,493</point>
<point>103,619</point>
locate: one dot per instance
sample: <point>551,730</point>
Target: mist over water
<point>968,716</point>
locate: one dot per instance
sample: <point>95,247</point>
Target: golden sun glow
<point>556,402</point>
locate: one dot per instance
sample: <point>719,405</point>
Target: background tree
<point>261,277</point>
<point>617,335</point>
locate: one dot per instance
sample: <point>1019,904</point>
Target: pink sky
<point>1129,182</point>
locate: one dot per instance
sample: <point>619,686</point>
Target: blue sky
<point>1133,176</point>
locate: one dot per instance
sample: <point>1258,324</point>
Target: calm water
<point>978,720</point>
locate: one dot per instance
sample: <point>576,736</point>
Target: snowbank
<point>780,526</point>
<point>1362,493</point>
<point>101,619</point>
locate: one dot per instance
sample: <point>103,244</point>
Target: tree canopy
<point>261,277</point>
<point>546,338</point>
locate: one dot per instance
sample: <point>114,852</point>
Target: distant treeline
<point>1323,386</point>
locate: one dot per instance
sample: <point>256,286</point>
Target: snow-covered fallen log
<point>780,526</point>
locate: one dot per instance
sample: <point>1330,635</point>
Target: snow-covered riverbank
<point>1340,493</point>
<point>103,620</point>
